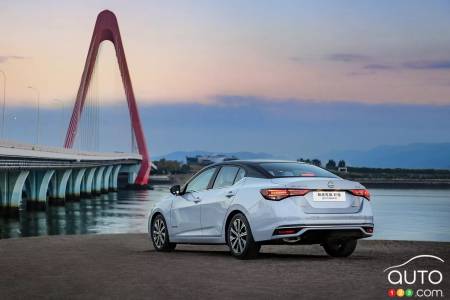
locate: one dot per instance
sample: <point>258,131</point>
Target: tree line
<point>331,164</point>
<point>166,167</point>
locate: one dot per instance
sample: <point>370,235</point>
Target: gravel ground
<point>127,267</point>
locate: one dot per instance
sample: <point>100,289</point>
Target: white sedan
<point>246,204</point>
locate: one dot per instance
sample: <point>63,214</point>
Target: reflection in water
<point>121,212</point>
<point>399,214</point>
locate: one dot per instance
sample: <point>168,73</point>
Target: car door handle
<point>230,194</point>
<point>197,199</point>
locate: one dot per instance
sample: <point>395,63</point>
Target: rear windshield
<point>292,169</point>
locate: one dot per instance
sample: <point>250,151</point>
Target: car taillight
<point>361,193</point>
<point>279,194</point>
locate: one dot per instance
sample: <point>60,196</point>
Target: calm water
<point>399,214</point>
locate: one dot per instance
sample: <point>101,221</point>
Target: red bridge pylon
<point>107,29</point>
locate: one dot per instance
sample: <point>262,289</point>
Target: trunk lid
<point>347,204</point>
<point>316,183</point>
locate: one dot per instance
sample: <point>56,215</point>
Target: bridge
<point>44,174</point>
<point>48,175</point>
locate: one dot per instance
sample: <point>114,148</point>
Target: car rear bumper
<point>313,234</point>
<point>270,216</point>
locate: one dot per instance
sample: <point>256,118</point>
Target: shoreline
<point>146,234</point>
<point>386,183</point>
<point>404,183</point>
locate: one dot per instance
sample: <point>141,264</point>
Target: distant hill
<point>434,156</point>
<point>411,156</point>
<point>181,155</point>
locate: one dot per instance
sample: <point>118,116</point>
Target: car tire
<point>340,248</point>
<point>160,235</point>
<point>240,238</point>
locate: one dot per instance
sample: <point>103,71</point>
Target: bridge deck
<point>18,155</point>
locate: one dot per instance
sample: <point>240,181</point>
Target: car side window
<point>225,177</point>
<point>240,175</point>
<point>201,181</point>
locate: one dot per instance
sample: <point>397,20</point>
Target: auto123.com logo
<point>418,282</point>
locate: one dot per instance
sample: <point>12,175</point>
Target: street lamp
<point>4,104</point>
<point>62,117</point>
<point>38,117</point>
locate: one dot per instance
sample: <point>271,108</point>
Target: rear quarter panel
<point>250,202</point>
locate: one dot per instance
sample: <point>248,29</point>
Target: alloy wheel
<point>238,236</point>
<point>159,232</point>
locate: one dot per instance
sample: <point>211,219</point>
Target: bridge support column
<point>132,177</point>
<point>59,183</point>
<point>98,180</point>
<point>11,186</point>
<point>106,176</point>
<point>86,183</point>
<point>74,184</point>
<point>39,181</point>
<point>113,179</point>
<point>132,171</point>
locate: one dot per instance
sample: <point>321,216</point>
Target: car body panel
<point>185,215</point>
<point>214,208</point>
<point>200,217</point>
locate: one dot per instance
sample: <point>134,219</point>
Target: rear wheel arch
<point>239,231</point>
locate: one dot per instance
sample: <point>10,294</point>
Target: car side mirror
<point>175,190</point>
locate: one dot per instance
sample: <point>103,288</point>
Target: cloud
<point>362,73</point>
<point>348,57</point>
<point>5,58</point>
<point>379,67</point>
<point>427,65</point>
<point>249,121</point>
<point>373,64</point>
<point>410,65</point>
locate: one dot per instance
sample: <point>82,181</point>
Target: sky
<point>273,76</point>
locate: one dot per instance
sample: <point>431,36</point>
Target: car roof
<point>253,161</point>
<point>252,166</point>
